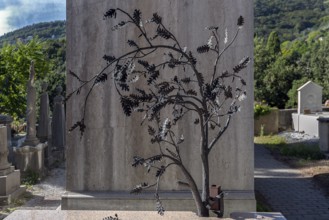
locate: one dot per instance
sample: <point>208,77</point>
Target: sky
<point>15,14</point>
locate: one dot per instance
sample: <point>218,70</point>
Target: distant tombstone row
<point>43,144</point>
<point>52,130</point>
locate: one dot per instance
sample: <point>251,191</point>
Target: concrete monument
<point>31,133</point>
<point>99,172</point>
<point>58,125</point>
<point>31,154</point>
<point>309,109</point>
<point>6,120</point>
<point>309,98</point>
<point>44,114</point>
<point>324,134</point>
<point>9,177</point>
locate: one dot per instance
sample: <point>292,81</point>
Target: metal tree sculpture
<point>187,90</point>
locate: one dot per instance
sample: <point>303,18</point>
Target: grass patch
<point>302,151</point>
<point>270,140</point>
<point>30,178</point>
<point>278,145</point>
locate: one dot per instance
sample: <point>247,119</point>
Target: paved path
<point>287,191</point>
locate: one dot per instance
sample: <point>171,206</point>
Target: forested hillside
<point>291,47</point>
<point>44,30</point>
<point>289,18</point>
<point>43,43</point>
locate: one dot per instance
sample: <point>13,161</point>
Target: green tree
<point>262,61</point>
<point>15,61</point>
<point>273,43</point>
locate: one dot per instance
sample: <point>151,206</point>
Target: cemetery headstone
<point>9,177</point>
<point>44,114</point>
<point>98,164</point>
<point>309,98</point>
<point>58,124</point>
<point>30,155</point>
<point>324,134</point>
<point>309,109</point>
<point>6,120</point>
<point>31,134</point>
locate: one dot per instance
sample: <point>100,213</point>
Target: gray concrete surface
<point>99,215</point>
<point>287,190</point>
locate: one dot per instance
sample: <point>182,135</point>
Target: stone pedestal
<point>30,158</point>
<point>324,134</point>
<point>100,161</point>
<point>10,188</point>
<point>9,177</point>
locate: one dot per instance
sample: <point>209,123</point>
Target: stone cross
<point>44,114</point>
<point>31,134</point>
<point>58,121</point>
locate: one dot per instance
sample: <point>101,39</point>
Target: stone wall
<point>100,161</point>
<point>267,124</point>
<point>279,120</point>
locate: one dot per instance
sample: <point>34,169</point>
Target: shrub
<point>261,109</point>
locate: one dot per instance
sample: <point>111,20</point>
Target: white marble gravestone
<point>309,109</point>
<point>99,171</point>
<point>309,98</point>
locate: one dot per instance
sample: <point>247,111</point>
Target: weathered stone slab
<point>10,178</point>
<point>324,134</point>
<point>58,127</point>
<point>87,215</point>
<point>6,120</point>
<point>43,128</point>
<point>30,158</point>
<point>258,215</point>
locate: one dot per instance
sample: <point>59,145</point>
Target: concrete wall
<point>269,122</point>
<point>101,159</point>
<point>285,119</point>
<point>276,122</point>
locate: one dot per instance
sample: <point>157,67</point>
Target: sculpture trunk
<point>205,176</point>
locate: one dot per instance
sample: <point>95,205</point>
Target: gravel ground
<point>295,137</point>
<point>47,194</point>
